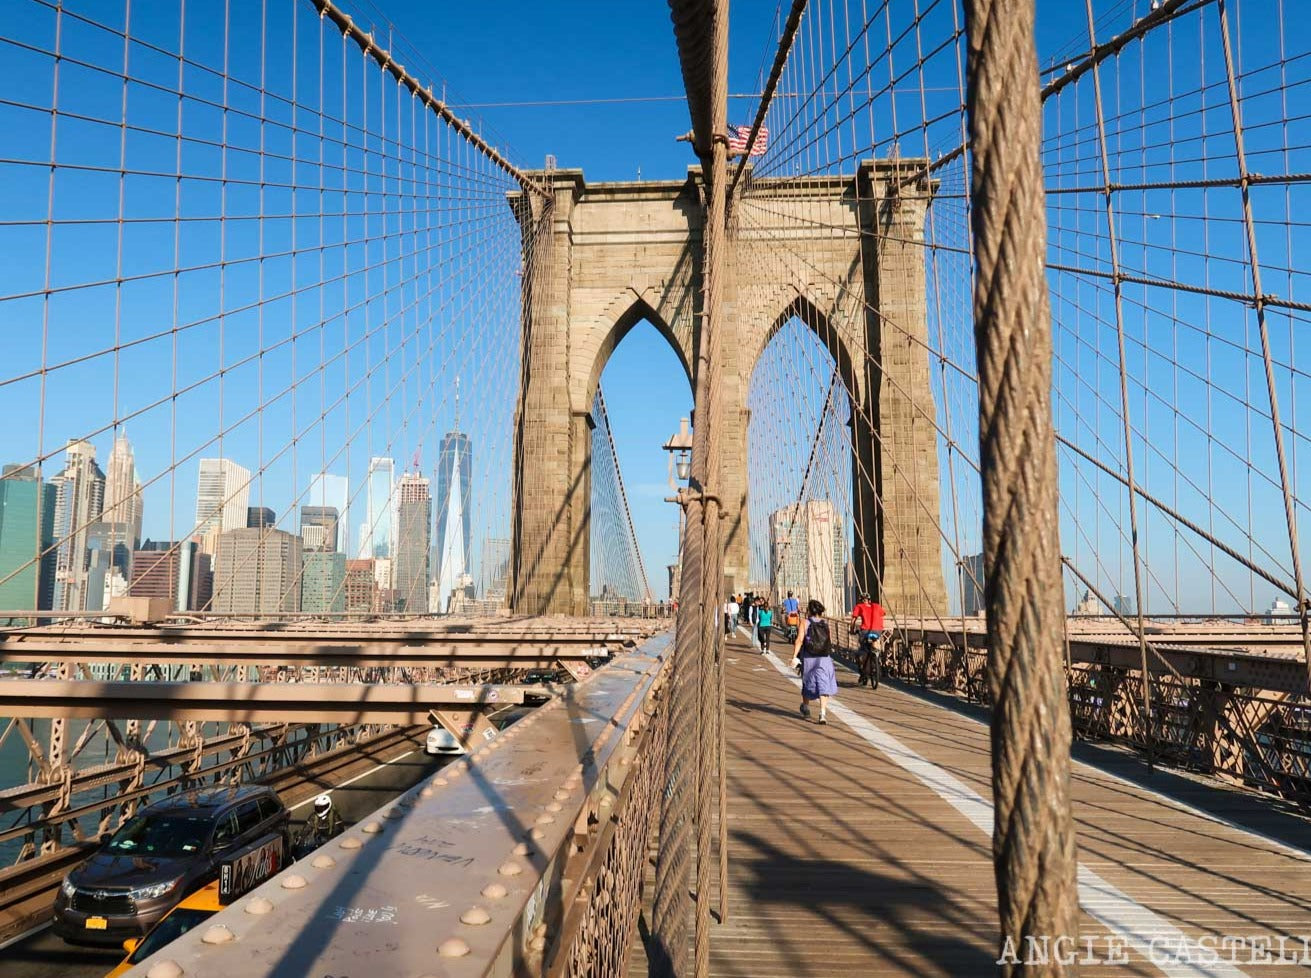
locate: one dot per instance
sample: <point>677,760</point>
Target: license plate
<point>96,923</point>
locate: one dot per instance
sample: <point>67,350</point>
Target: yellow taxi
<point>191,912</point>
<point>238,874</point>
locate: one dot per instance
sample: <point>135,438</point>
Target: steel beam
<point>249,702</point>
<point>481,654</point>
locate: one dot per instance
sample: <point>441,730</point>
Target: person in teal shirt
<point>764,622</point>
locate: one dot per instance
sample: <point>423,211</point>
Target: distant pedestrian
<point>814,651</point>
<point>764,622</point>
<point>730,615</point>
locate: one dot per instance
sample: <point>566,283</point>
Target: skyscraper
<point>79,500</point>
<point>222,496</point>
<point>972,572</point>
<point>260,518</point>
<point>123,497</point>
<point>27,518</point>
<point>454,469</point>
<point>376,531</point>
<point>414,532</point>
<point>806,547</point>
<point>318,528</point>
<point>495,568</point>
<point>323,582</point>
<point>171,571</point>
<point>256,572</point>
<point>326,490</point>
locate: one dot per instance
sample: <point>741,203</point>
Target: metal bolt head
<point>293,882</point>
<point>475,916</point>
<point>452,947</point>
<point>545,819</point>
<point>494,891</point>
<point>350,842</point>
<point>426,792</point>
<point>510,868</point>
<point>259,906</point>
<point>218,934</point>
<point>554,806</point>
<point>439,781</point>
<point>561,795</point>
<point>165,969</point>
<point>323,861</point>
<point>373,828</point>
<point>522,849</point>
<point>536,833</point>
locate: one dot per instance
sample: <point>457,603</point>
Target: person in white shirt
<point>730,615</point>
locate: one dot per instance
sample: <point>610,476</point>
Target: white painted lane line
<point>351,781</point>
<point>1143,930</point>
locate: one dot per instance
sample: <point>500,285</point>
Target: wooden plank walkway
<point>862,848</point>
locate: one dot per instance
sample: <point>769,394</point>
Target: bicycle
<point>871,660</point>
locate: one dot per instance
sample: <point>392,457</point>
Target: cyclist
<point>791,616</point>
<point>867,622</point>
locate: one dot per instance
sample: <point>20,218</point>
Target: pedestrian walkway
<point>864,848</point>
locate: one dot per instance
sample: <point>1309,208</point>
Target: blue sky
<point>379,379</point>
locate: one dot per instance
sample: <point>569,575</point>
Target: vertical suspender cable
<point>1033,833</point>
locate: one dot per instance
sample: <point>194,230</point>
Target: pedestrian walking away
<point>764,622</point>
<point>814,652</point>
<point>730,615</point>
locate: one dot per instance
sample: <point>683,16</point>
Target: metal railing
<point>526,857</point>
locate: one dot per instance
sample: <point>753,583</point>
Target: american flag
<point>737,140</point>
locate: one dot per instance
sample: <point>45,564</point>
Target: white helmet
<point>322,805</point>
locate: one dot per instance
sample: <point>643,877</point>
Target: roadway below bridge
<point>362,786</point>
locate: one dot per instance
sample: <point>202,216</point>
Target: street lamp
<point>679,447</point>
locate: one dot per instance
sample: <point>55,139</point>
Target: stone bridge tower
<point>844,254</point>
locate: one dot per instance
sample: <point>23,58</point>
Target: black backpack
<point>818,640</point>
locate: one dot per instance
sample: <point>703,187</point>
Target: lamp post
<point>679,447</point>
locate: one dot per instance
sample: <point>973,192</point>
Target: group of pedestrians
<point>812,648</point>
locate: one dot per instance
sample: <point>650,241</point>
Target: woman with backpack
<point>814,650</point>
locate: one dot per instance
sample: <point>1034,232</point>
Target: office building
<point>222,497</point>
<point>360,588</point>
<point>261,518</point>
<point>807,550</point>
<point>972,583</point>
<point>327,490</point>
<point>454,471</point>
<point>109,560</point>
<point>27,524</point>
<point>257,572</point>
<point>79,501</point>
<point>319,528</point>
<point>323,582</point>
<point>413,537</point>
<point>1123,604</point>
<point>376,532</point>
<point>173,571</point>
<point>495,569</point>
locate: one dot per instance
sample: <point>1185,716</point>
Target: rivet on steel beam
<point>393,813</point>
<point>510,868</point>
<point>293,882</point>
<point>452,947</point>
<point>218,934</point>
<point>536,833</point>
<point>522,849</point>
<point>438,782</point>
<point>373,828</point>
<point>561,795</point>
<point>259,906</point>
<point>426,792</point>
<point>323,861</point>
<point>475,916</point>
<point>545,819</point>
<point>350,842</point>
<point>494,891</point>
<point>165,969</point>
<point>554,806</point>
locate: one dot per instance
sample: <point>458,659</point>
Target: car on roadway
<point>442,741</point>
<point>160,856</point>
<point>239,873</point>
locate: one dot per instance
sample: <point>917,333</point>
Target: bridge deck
<point>863,847</point>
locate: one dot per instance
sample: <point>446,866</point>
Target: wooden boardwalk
<point>863,848</point>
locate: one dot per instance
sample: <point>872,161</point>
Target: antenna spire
<point>457,402</point>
